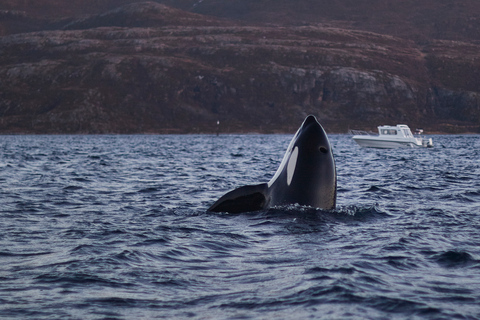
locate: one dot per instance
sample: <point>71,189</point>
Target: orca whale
<point>306,176</point>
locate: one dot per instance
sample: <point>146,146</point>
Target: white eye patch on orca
<point>292,163</point>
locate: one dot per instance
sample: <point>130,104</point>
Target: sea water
<point>115,227</point>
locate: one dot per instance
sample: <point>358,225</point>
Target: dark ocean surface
<point>115,227</point>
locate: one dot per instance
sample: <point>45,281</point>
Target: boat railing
<point>358,132</point>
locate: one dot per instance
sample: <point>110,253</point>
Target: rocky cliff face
<point>145,67</point>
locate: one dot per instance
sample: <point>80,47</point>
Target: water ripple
<point>116,227</point>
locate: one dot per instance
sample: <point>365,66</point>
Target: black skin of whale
<point>307,176</point>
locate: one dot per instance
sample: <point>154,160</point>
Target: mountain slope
<point>146,67</point>
<point>417,20</point>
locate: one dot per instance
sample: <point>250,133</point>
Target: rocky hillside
<point>413,19</point>
<point>147,67</point>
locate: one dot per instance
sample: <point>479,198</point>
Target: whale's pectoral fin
<point>243,199</point>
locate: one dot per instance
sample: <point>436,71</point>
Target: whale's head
<point>307,174</point>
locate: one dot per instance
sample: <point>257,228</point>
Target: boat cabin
<point>400,130</point>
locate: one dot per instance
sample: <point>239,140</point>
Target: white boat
<point>390,137</point>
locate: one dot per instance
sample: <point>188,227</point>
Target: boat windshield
<point>389,131</point>
<point>407,133</point>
